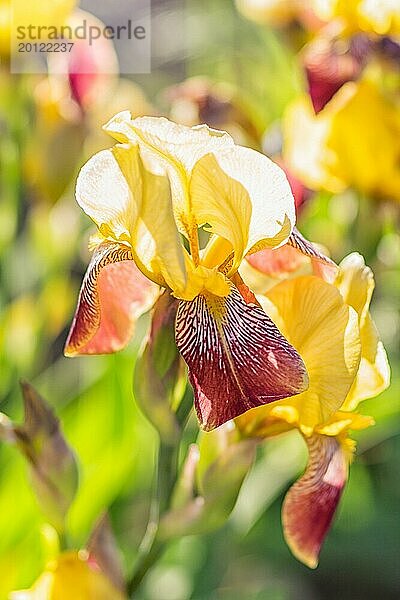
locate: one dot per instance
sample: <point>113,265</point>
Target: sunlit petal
<point>244,197</point>
<point>174,146</point>
<point>155,239</point>
<point>113,295</point>
<point>356,284</point>
<point>236,356</point>
<point>104,193</point>
<point>324,330</point>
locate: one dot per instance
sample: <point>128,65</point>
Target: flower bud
<point>211,478</point>
<point>53,467</point>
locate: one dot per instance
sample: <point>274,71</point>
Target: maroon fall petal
<point>237,357</point>
<point>310,504</point>
<point>113,295</point>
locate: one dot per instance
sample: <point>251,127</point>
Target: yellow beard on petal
<point>202,279</point>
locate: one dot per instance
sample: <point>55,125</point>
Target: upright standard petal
<point>104,192</point>
<point>155,239</point>
<point>310,504</point>
<point>324,330</point>
<point>244,197</point>
<point>130,203</point>
<point>237,357</point>
<point>113,295</point>
<point>177,148</point>
<point>355,282</point>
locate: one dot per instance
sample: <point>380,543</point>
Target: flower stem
<point>151,547</point>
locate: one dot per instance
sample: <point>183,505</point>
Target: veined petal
<point>113,295</point>
<point>237,357</point>
<point>322,265</point>
<point>130,203</point>
<point>324,330</point>
<point>310,504</point>
<point>293,256</point>
<point>104,192</point>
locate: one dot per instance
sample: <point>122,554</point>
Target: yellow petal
<point>155,239</point>
<point>355,282</point>
<point>324,330</point>
<point>71,576</point>
<point>105,195</point>
<point>373,375</point>
<point>176,147</point>
<point>304,148</point>
<point>132,204</point>
<point>373,166</point>
<point>244,197</point>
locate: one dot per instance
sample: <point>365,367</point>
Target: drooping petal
<point>244,197</point>
<point>310,504</point>
<point>356,284</point>
<point>324,330</point>
<point>297,257</point>
<point>237,357</point>
<point>113,295</point>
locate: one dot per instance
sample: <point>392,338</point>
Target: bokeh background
<point>250,72</point>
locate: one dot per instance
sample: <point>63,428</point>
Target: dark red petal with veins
<point>113,295</point>
<point>237,357</point>
<point>311,502</point>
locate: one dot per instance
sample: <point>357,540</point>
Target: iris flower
<point>149,195</point>
<point>330,326</point>
<point>324,150</point>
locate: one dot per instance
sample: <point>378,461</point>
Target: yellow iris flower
<point>338,147</point>
<point>381,17</point>
<point>330,326</point>
<point>149,196</point>
<point>72,575</point>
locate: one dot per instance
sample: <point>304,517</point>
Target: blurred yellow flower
<point>381,17</point>
<point>353,141</point>
<point>18,13</point>
<point>71,576</point>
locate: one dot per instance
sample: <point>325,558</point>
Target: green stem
<point>151,547</point>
